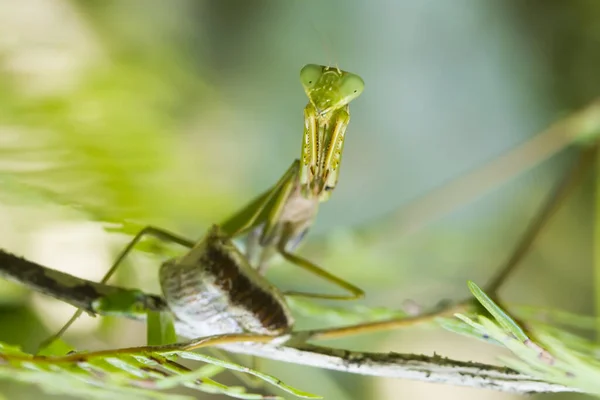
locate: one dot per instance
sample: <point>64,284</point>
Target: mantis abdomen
<point>214,287</point>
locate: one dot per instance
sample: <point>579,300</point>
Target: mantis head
<point>329,88</point>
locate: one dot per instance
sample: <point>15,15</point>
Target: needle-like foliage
<point>129,375</point>
<point>544,352</point>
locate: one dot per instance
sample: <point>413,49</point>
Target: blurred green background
<point>176,113</point>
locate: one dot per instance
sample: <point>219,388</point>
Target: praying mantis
<point>218,278</point>
<point>277,220</point>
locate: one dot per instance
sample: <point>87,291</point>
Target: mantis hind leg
<point>158,233</point>
<point>355,292</point>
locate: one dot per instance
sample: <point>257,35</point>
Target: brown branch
<point>78,292</point>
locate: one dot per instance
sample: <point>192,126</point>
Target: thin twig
<point>460,192</point>
<point>78,292</point>
<point>561,191</point>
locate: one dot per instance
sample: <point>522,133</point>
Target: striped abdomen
<point>215,288</point>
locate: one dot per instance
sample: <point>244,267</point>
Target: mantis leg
<point>356,293</point>
<point>159,233</point>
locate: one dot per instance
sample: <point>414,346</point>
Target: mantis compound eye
<point>310,74</point>
<point>351,87</point>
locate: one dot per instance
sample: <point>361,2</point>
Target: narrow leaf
<point>267,378</point>
<point>503,319</point>
<point>160,328</point>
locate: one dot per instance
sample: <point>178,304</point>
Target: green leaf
<point>464,327</point>
<point>267,378</point>
<point>57,347</point>
<point>160,328</point>
<point>127,374</point>
<point>354,314</point>
<point>501,317</point>
<point>555,356</point>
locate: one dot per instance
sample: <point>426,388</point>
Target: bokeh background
<point>176,113</point>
